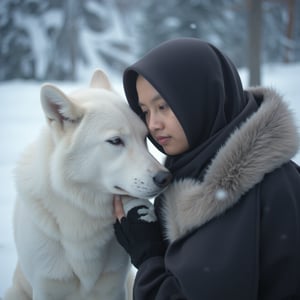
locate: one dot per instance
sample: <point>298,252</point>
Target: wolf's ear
<point>100,80</point>
<point>57,106</point>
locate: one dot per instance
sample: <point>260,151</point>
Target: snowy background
<point>57,39</point>
<point>21,118</point>
<point>63,41</point>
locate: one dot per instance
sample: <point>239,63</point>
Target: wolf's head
<point>98,145</point>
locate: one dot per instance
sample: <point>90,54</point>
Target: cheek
<point>184,145</point>
<point>181,139</point>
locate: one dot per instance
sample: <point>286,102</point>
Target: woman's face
<point>161,121</point>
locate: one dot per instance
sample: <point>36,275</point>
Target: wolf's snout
<point>162,178</point>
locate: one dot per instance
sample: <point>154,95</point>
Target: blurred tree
<point>16,55</point>
<point>221,22</point>
<point>291,5</point>
<point>63,57</point>
<point>254,40</point>
<point>54,39</point>
<point>91,35</point>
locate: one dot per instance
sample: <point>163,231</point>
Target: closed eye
<point>163,106</point>
<point>143,114</point>
<point>116,141</point>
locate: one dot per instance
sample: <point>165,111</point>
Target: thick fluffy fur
<point>264,142</point>
<point>92,147</point>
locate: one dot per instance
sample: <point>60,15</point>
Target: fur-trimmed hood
<point>265,141</point>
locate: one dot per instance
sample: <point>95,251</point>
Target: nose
<point>154,122</point>
<point>162,178</point>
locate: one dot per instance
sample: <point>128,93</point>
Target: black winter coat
<point>236,234</point>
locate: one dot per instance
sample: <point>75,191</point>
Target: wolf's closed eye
<point>116,141</point>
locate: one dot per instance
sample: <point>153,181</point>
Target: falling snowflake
<point>193,26</point>
<point>221,194</point>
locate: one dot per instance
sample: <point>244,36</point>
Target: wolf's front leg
<point>51,289</point>
<point>20,289</point>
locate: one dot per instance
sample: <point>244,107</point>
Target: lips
<point>162,140</point>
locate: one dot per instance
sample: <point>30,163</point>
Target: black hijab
<point>203,89</point>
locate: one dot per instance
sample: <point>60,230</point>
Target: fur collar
<point>266,140</point>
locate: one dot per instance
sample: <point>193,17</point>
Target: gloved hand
<point>140,237</point>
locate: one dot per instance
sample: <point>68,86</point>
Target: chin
<point>169,151</point>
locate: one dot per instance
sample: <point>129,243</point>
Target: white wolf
<point>92,147</point>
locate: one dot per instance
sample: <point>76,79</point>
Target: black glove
<point>140,238</point>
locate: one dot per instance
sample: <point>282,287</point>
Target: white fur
<point>92,147</point>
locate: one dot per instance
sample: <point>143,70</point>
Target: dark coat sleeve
<point>280,234</point>
<point>216,261</point>
<point>154,282</point>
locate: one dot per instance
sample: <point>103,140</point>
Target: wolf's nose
<point>162,178</point>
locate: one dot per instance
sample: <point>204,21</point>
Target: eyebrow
<point>156,97</point>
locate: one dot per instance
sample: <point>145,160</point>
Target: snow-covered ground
<point>21,118</point>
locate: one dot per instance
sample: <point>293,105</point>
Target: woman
<point>230,217</point>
